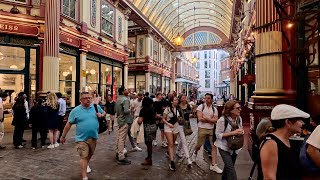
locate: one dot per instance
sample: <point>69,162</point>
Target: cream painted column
<point>148,82</point>
<point>51,47</point>
<point>125,73</point>
<point>269,78</point>
<point>83,68</point>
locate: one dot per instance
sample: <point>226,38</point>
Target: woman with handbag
<point>229,126</point>
<point>184,128</point>
<point>171,127</point>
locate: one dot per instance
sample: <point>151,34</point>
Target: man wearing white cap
<point>278,160</point>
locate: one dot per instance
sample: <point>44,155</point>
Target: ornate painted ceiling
<point>209,20</point>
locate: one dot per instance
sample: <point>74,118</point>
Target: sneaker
<point>155,143</point>
<point>189,161</point>
<point>124,162</point>
<point>2,147</point>
<point>85,178</point>
<point>42,147</point>
<point>176,143</point>
<point>125,151</point>
<point>88,169</point>
<point>215,168</point>
<point>56,145</point>
<point>51,146</point>
<point>194,157</point>
<point>33,148</point>
<point>136,149</point>
<point>172,166</point>
<point>19,147</point>
<point>164,144</point>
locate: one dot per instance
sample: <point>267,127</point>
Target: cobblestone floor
<point>62,163</point>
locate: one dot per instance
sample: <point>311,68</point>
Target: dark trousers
<point>60,127</point>
<point>43,136</point>
<point>207,145</point>
<point>18,134</point>
<point>229,172</point>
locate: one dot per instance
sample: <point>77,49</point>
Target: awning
<point>182,80</point>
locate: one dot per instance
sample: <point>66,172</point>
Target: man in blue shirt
<point>87,125</point>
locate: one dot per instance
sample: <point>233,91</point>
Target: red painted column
<point>288,83</point>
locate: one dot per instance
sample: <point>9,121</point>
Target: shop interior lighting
<point>65,73</point>
<point>290,25</point>
<point>13,67</point>
<point>92,71</point>
<point>107,69</point>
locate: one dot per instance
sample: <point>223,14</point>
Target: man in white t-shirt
<point>314,146</point>
<point>207,117</point>
<point>137,105</point>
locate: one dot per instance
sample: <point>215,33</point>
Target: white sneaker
<point>136,149</point>
<point>189,161</point>
<point>125,151</point>
<point>180,154</point>
<point>155,143</point>
<point>164,144</point>
<point>51,146</point>
<point>194,157</point>
<point>56,145</point>
<point>176,143</point>
<point>215,168</point>
<point>88,169</point>
<point>85,178</point>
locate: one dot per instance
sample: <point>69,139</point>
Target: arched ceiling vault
<point>164,15</point>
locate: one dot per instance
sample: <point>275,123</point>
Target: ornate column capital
<point>127,13</point>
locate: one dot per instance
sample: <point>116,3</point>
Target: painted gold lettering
<point>1,26</point>
<point>15,28</point>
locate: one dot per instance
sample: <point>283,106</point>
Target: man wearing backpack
<point>207,117</point>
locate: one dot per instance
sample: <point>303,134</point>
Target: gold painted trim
<point>269,97</point>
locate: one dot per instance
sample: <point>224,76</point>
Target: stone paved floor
<point>62,163</point>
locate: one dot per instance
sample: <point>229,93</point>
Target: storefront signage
<point>68,39</point>
<point>104,52</point>
<point>14,28</point>
<point>155,69</point>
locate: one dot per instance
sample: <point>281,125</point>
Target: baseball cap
<point>284,111</point>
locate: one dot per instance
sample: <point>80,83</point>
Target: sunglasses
<point>238,108</point>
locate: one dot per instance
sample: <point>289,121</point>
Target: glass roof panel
<point>164,15</point>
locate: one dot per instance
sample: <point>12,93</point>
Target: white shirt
<point>137,107</point>
<point>27,108</point>
<point>169,113</point>
<point>207,113</point>
<point>222,142</point>
<point>62,107</point>
<point>1,109</point>
<point>314,138</point>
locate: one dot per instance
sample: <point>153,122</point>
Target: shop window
<point>33,67</point>
<point>92,75</point>
<point>67,78</point>
<point>207,83</point>
<point>106,82</point>
<point>205,64</point>
<point>205,54</point>
<point>207,74</point>
<point>155,51</point>
<point>141,83</point>
<point>12,58</point>
<point>107,16</point>
<point>117,78</point>
<point>69,8</point>
<point>131,83</point>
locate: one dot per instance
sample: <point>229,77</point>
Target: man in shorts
<point>208,117</point>
<point>87,125</point>
<point>159,107</point>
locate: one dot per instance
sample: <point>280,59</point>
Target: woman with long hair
<point>148,117</point>
<point>52,106</point>
<point>185,112</point>
<point>231,114</point>
<point>171,127</point>
<point>19,120</point>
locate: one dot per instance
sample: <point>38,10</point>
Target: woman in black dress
<point>148,117</point>
<point>52,107</point>
<point>19,120</point>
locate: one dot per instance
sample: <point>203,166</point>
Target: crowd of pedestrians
<point>171,114</point>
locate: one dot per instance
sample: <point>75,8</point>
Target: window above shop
<point>69,8</point>
<point>107,18</point>
<point>12,58</point>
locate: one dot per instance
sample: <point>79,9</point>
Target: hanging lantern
<point>178,41</point>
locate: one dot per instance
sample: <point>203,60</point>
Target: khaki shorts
<point>86,148</point>
<point>202,134</point>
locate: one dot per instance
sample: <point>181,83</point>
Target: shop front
<point>155,83</point>
<point>167,83</point>
<point>137,82</point>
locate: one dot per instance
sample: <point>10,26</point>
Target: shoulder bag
<point>234,142</point>
<point>103,126</point>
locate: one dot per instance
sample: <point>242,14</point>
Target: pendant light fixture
<point>178,41</point>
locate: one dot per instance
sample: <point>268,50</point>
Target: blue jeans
<point>207,145</point>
